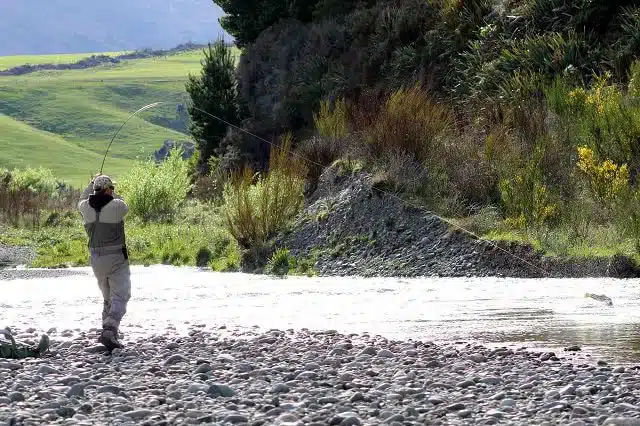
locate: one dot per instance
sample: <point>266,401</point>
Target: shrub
<point>27,195</point>
<point>156,191</point>
<point>258,206</point>
<point>401,172</point>
<point>293,65</point>
<point>603,118</point>
<point>35,180</point>
<point>281,263</point>
<point>332,123</point>
<point>609,184</point>
<point>526,198</point>
<point>320,152</point>
<point>410,121</point>
<point>487,219</point>
<point>634,80</point>
<point>606,179</point>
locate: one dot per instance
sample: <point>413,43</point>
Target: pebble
<point>280,388</point>
<point>138,414</point>
<point>46,370</point>
<point>385,353</point>
<point>174,359</point>
<point>203,368</point>
<point>75,390</point>
<point>198,387</point>
<point>16,397</point>
<point>236,418</point>
<point>110,389</point>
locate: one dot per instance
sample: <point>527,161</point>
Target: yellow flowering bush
<point>606,179</point>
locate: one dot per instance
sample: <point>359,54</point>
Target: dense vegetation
<point>518,118</point>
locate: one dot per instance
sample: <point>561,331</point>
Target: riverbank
<point>305,377</point>
<point>349,227</point>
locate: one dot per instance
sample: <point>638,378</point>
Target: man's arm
<point>86,193</point>
<point>122,208</point>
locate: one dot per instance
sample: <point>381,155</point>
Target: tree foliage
<point>245,20</point>
<point>214,91</point>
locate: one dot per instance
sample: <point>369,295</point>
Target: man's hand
<point>95,175</point>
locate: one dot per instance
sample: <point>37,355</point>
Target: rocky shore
<point>350,228</point>
<point>311,378</point>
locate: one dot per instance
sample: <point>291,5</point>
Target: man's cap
<point>102,182</point>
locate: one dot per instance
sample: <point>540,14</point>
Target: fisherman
<point>103,213</point>
<point>10,349</point>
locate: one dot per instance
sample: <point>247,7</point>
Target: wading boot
<point>109,338</point>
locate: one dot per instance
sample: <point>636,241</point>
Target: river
<point>539,314</point>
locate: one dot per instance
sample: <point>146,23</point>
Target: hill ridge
<point>93,61</point>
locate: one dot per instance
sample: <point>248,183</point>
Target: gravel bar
<point>37,274</point>
<point>307,378</point>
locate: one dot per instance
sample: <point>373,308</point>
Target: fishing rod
<point>380,190</point>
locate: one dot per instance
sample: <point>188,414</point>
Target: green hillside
<point>64,119</point>
<point>69,160</point>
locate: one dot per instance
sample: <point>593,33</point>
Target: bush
<point>281,263</point>
<point>156,191</point>
<point>411,122</point>
<point>27,196</point>
<point>35,180</point>
<point>601,118</point>
<point>292,66</point>
<point>258,206</point>
<point>606,180</point>
<point>401,172</point>
<point>332,123</point>
<point>526,198</point>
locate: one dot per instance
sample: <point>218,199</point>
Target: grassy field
<point>66,158</point>
<point>64,119</point>
<point>7,62</point>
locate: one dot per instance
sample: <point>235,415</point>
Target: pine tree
<point>214,91</point>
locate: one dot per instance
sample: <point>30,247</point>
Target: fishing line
<point>382,191</point>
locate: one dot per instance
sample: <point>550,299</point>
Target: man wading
<point>103,216</point>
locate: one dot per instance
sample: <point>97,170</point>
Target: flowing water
<point>536,313</point>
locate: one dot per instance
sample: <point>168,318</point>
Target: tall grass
<point>332,122</point>
<point>258,206</point>
<point>410,121</point>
